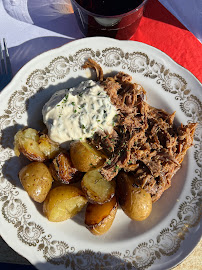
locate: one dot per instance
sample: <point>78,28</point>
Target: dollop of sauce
<point>77,113</point>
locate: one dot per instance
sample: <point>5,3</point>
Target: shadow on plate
<point>123,228</point>
<point>36,102</point>
<point>83,260</point>
<point>22,54</point>
<point>34,105</point>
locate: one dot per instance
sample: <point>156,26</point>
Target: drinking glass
<point>120,26</point>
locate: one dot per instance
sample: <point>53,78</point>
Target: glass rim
<point>114,16</point>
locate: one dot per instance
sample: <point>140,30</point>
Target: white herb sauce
<point>76,113</point>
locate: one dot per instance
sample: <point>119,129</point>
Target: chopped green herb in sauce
<point>109,162</point>
<point>80,113</point>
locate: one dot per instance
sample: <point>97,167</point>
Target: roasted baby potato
<point>63,170</point>
<point>135,201</point>
<point>26,142</point>
<point>34,146</point>
<point>96,188</point>
<point>48,147</point>
<point>99,217</point>
<point>36,180</point>
<point>84,157</point>
<point>63,202</point>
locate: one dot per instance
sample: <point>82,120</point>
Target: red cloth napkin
<point>159,28</point>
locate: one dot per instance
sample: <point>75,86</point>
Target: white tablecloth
<point>35,26</point>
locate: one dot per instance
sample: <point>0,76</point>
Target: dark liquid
<point>91,22</point>
<point>109,7</point>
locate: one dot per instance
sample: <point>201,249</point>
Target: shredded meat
<point>90,63</point>
<point>144,140</point>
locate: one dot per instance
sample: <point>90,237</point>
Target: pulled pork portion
<point>144,141</point>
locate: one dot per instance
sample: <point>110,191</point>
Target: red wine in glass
<point>110,18</point>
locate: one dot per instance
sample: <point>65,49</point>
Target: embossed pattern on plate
<point>163,239</point>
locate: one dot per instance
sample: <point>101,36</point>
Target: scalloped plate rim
<point>89,38</point>
<point>18,75</point>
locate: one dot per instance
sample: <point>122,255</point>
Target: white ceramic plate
<point>172,230</point>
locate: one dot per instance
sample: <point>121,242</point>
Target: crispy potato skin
<point>36,180</point>
<point>84,157</point>
<point>48,147</point>
<point>63,202</point>
<point>34,146</point>
<point>63,170</point>
<point>135,201</point>
<point>26,142</point>
<point>99,218</point>
<point>96,189</point>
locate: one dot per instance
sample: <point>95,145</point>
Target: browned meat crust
<point>144,142</point>
<point>90,63</point>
